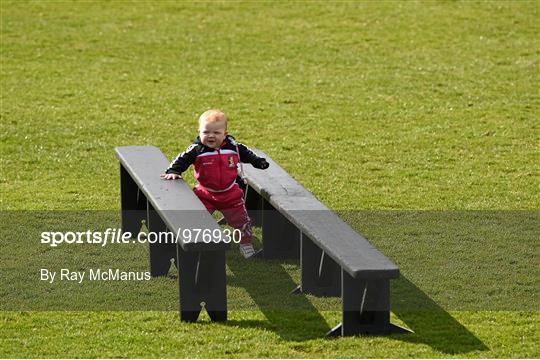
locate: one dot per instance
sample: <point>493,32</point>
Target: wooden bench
<point>334,259</point>
<point>172,206</point>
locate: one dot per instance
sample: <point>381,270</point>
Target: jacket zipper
<point>219,159</point>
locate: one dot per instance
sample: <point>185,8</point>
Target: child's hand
<point>261,163</point>
<point>170,176</point>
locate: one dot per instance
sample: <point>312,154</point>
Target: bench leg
<point>133,204</point>
<point>321,275</point>
<point>366,308</point>
<point>160,253</point>
<point>254,204</point>
<point>202,283</point>
<point>280,237</point>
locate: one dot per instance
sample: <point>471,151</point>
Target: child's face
<point>212,133</point>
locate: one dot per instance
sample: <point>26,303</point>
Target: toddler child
<point>215,156</point>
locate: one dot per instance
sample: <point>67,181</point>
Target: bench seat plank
<point>178,206</point>
<point>274,181</point>
<point>335,237</point>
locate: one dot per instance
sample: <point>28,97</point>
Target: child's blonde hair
<point>213,115</point>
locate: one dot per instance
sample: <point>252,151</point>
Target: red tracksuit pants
<point>231,204</point>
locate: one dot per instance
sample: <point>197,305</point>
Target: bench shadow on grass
<point>431,324</point>
<point>295,318</point>
<point>292,317</point>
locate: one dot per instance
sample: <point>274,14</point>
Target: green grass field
<point>417,120</point>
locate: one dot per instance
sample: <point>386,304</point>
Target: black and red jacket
<point>214,169</point>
